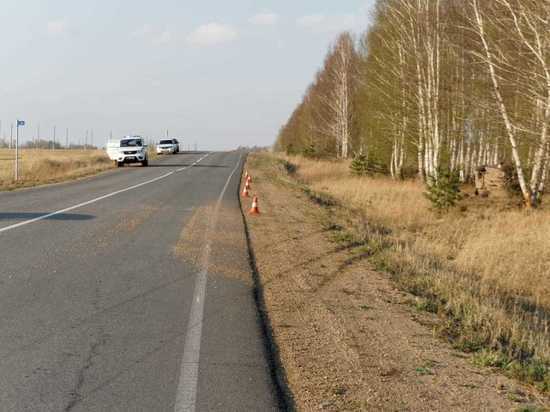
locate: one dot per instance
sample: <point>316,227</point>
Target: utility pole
<point>86,140</point>
<point>11,136</point>
<point>92,138</point>
<point>67,138</point>
<point>54,130</point>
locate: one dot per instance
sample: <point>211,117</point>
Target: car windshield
<point>131,143</point>
<point>166,142</point>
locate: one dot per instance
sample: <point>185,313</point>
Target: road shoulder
<point>346,337</point>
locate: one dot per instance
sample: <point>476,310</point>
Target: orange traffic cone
<point>254,210</point>
<point>248,178</point>
<point>245,191</point>
<point>247,183</point>
<point>246,174</point>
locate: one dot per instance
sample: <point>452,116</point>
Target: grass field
<point>485,266</point>
<point>49,166</point>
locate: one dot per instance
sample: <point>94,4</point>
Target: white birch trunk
<point>510,131</point>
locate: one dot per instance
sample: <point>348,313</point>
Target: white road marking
<point>97,199</point>
<point>186,397</point>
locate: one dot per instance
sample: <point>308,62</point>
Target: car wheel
<point>120,164</point>
<point>145,163</point>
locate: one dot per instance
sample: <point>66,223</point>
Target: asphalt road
<point>97,312</point>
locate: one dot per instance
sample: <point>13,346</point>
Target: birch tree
<point>443,85</point>
<point>336,94</point>
<point>525,69</point>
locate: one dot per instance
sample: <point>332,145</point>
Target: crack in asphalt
<point>75,394</point>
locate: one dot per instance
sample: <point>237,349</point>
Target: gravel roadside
<point>346,337</point>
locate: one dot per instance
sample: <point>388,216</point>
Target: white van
<point>130,149</point>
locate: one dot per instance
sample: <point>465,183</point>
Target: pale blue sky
<point>221,73</point>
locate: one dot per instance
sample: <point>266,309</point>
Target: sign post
<point>19,123</point>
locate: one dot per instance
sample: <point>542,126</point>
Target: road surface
<point>97,311</point>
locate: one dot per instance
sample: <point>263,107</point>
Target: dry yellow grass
<point>384,198</point>
<point>50,166</point>
<point>488,265</point>
<point>340,330</point>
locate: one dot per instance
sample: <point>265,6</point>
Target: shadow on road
<point>33,215</point>
<point>183,165</point>
<point>185,152</point>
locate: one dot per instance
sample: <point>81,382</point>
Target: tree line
<point>45,144</point>
<point>436,87</point>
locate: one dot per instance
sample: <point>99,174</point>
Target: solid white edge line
<point>97,199</point>
<point>186,396</point>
